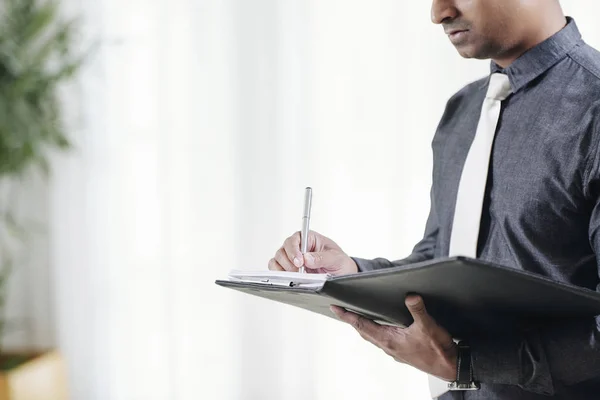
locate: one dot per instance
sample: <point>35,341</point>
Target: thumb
<point>416,307</point>
<point>321,259</point>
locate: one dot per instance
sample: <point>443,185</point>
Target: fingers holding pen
<point>282,258</point>
<point>274,265</point>
<point>291,247</point>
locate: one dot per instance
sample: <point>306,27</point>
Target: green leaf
<point>39,22</point>
<point>36,56</point>
<point>58,42</point>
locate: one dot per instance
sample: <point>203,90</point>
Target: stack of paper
<point>279,278</point>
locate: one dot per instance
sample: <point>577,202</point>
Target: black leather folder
<point>464,295</point>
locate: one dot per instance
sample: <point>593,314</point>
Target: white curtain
<point>199,123</point>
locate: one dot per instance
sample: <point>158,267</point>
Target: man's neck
<point>547,29</point>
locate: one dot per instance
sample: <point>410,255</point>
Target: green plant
<point>36,57</point>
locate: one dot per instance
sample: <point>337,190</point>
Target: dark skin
<point>501,30</point>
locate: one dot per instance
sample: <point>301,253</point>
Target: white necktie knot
<point>499,88</point>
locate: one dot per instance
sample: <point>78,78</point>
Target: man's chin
<point>467,51</point>
<point>476,50</point>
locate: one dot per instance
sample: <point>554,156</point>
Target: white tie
<point>471,190</point>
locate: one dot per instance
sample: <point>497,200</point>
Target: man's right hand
<point>323,256</point>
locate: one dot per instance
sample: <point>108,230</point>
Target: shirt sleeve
<point>542,359</point>
<point>424,250</point>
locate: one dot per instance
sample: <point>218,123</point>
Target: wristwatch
<point>464,370</point>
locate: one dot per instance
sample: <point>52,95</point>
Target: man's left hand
<point>424,344</point>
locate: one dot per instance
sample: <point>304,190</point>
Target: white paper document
<point>279,278</point>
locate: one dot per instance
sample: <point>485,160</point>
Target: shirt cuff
<point>371,265</point>
<point>381,263</point>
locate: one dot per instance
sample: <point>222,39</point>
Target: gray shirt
<point>541,211</point>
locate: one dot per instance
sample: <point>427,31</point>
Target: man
<point>540,206</point>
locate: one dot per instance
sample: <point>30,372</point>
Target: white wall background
<point>198,124</point>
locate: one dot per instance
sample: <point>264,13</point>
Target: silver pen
<point>305,223</point>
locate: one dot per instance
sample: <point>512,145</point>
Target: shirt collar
<point>542,57</point>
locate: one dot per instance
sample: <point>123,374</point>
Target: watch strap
<point>464,370</point>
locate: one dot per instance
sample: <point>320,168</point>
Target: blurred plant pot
<point>33,376</point>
